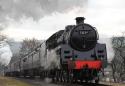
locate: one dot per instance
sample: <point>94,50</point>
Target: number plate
<point>83,32</point>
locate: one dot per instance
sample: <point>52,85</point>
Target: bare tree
<point>118,62</point>
<point>28,45</point>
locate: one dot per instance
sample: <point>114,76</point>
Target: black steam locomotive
<point>70,55</point>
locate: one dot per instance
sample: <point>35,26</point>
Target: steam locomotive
<point>69,55</point>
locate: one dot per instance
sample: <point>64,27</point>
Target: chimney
<point>79,20</point>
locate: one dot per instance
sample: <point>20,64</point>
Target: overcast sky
<point>21,19</point>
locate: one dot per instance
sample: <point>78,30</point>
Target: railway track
<point>47,82</point>
<point>82,84</point>
<point>12,81</point>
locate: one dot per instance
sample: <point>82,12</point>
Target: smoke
<point>5,53</point>
<point>52,60</point>
<point>107,41</point>
<point>48,80</point>
<point>18,16</point>
<point>36,9</point>
<point>49,58</point>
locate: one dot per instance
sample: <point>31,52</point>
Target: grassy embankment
<point>5,81</point>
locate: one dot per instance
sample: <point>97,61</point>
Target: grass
<point>5,81</point>
<point>117,84</point>
<point>113,84</point>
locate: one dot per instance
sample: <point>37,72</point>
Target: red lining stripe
<point>79,64</point>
